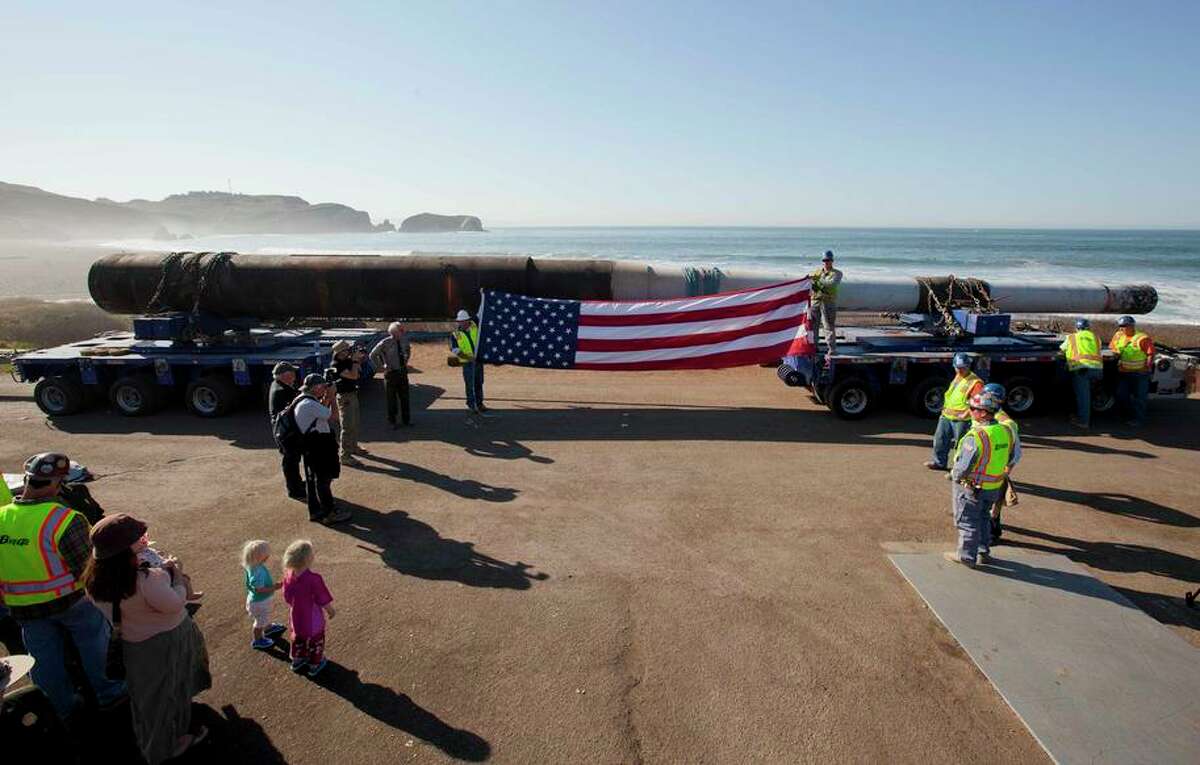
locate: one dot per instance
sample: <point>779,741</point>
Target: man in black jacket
<point>283,392</point>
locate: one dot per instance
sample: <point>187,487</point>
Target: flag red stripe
<point>682,341</point>
<point>747,357</point>
<point>682,317</point>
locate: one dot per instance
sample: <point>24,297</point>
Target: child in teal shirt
<point>260,592</point>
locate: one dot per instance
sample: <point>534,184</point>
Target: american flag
<point>725,330</point>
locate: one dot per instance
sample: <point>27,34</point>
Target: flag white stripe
<point>668,354</point>
<point>642,331</point>
<point>675,305</point>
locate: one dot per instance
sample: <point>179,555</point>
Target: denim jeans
<point>1132,390</point>
<point>946,437</point>
<point>972,518</point>
<point>473,381</point>
<point>85,626</point>
<point>1083,380</point>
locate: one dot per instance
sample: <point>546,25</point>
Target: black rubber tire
<point>60,396</point>
<point>135,396</point>
<point>930,389</point>
<point>851,398</point>
<point>1023,397</point>
<point>211,396</point>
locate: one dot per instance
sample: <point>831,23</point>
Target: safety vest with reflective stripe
<point>1008,422</point>
<point>1130,356</point>
<point>31,569</point>
<point>1083,351</point>
<point>467,341</point>
<point>823,291</point>
<point>956,404</point>
<point>993,445</point>
<point>5,493</point>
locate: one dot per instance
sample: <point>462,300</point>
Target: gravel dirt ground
<point>621,568</point>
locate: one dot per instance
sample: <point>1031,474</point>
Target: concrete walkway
<point>1094,678</point>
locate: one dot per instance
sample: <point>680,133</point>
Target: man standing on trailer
<point>1135,359</point>
<point>981,461</point>
<point>956,411</point>
<point>1082,351</point>
<point>825,281</point>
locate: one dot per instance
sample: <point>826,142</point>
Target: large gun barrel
<point>436,286</point>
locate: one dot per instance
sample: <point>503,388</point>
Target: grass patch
<point>29,323</point>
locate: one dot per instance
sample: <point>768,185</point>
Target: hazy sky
<point>891,113</point>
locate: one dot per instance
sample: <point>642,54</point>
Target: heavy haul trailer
<point>212,365</point>
<point>909,364</point>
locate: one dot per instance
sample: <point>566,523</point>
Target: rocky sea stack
<point>425,223</point>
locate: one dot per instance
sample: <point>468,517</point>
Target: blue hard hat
<point>1082,324</point>
<point>962,361</point>
<point>828,255</point>
<point>996,390</point>
<point>1125,321</point>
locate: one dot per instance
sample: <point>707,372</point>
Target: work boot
<point>934,466</point>
<point>953,558</point>
<point>983,559</point>
<point>350,461</point>
<point>1075,421</point>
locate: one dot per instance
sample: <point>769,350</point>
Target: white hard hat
<point>462,316</point>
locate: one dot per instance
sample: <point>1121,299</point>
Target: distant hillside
<point>29,212</point>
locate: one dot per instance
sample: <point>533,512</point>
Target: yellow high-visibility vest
<point>1130,356</point>
<point>31,570</point>
<point>1082,350</point>
<point>468,342</point>
<point>820,290</point>
<point>993,444</point>
<point>956,404</point>
<point>5,494</point>
<point>1008,422</point>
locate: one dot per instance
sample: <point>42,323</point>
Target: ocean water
<point>1167,259</point>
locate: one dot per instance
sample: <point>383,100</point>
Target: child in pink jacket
<point>305,592</point>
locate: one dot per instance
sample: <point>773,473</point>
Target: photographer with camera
<point>314,418</point>
<point>347,360</point>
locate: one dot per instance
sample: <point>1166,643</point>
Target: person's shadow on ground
<point>231,738</point>
<point>415,548</point>
<point>463,487</point>
<point>402,713</point>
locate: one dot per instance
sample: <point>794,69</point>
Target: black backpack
<point>285,429</point>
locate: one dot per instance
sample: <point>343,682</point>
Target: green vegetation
<point>29,323</point>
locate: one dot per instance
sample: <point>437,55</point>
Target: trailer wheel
<point>851,398</point>
<point>59,396</point>
<point>1022,396</point>
<point>135,396</point>
<point>1103,400</point>
<point>926,397</point>
<point>211,396</point>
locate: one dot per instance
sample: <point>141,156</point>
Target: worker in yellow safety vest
<point>1135,360</point>
<point>982,461</point>
<point>464,343</point>
<point>1086,366</point>
<point>955,419</point>
<point>44,547</point>
<point>1007,496</point>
